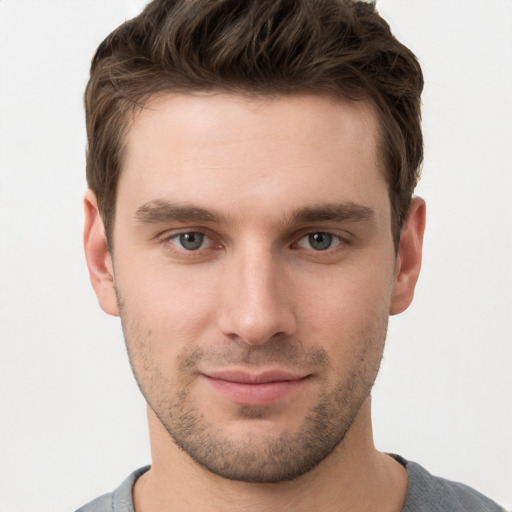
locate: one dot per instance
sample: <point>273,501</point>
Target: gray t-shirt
<point>425,493</point>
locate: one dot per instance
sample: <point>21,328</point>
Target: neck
<point>355,476</point>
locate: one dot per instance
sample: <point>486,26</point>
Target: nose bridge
<point>255,304</point>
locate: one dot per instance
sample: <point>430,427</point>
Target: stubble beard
<point>283,457</point>
<point>278,459</point>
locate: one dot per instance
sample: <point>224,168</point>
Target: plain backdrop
<point>72,422</point>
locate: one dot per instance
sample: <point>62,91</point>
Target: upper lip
<point>261,377</point>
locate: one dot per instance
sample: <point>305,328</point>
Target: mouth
<point>255,388</point>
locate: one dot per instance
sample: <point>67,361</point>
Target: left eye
<point>319,241</point>
<point>191,241</point>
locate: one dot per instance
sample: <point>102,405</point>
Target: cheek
<point>157,336</point>
<point>347,314</point>
<point>165,299</point>
<point>345,299</point>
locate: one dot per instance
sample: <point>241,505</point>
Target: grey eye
<point>191,241</point>
<point>319,241</point>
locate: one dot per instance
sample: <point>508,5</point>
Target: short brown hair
<point>341,48</point>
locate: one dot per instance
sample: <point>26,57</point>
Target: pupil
<point>191,241</point>
<point>320,241</point>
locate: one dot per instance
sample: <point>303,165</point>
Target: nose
<point>255,298</point>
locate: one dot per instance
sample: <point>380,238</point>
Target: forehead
<point>214,117</point>
<point>238,151</point>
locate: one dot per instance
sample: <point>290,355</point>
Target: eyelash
<point>172,242</point>
<point>338,240</point>
<point>332,238</point>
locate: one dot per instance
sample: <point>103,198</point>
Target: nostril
<point>258,328</point>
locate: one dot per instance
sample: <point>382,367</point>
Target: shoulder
<point>428,493</point>
<point>102,504</point>
<point>119,500</point>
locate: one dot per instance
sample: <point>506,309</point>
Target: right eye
<point>191,241</point>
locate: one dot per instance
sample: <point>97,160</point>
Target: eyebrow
<point>336,212</point>
<point>160,211</point>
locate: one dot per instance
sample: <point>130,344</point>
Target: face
<point>254,273</point>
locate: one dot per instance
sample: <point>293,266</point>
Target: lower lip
<point>263,393</point>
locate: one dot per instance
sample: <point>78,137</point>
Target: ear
<point>99,261</point>
<point>408,260</point>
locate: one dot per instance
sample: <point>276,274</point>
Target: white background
<point>72,423</point>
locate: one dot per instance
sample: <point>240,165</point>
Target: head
<point>337,48</point>
<point>251,168</point>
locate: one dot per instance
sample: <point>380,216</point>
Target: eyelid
<point>167,238</point>
<point>337,240</point>
<point>344,237</point>
<point>175,240</point>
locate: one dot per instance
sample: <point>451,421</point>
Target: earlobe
<point>99,261</point>
<point>408,262</point>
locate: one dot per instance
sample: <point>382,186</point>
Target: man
<point>250,217</point>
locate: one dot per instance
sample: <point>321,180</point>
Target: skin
<point>252,182</point>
